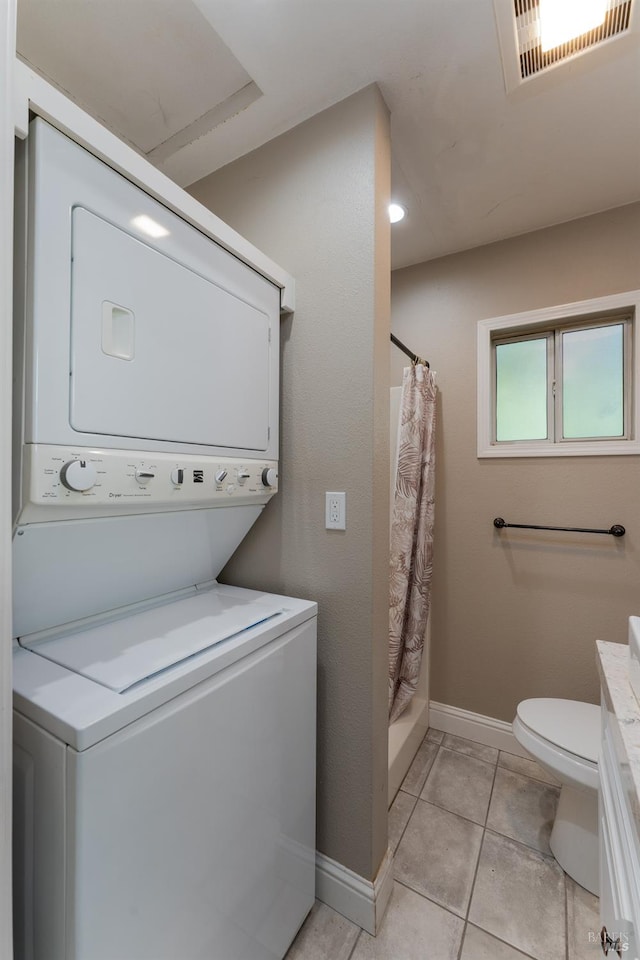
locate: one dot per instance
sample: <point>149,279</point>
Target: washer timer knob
<point>220,475</point>
<point>79,475</point>
<point>269,477</point>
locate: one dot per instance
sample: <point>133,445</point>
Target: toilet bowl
<point>563,736</point>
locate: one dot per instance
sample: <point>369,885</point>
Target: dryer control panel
<point>72,482</point>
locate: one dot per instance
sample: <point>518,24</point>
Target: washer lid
<point>569,724</point>
<point>123,652</point>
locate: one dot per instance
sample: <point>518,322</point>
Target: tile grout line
<point>496,765</point>
<point>413,808</point>
<point>484,833</point>
<point>404,829</point>
<point>477,926</point>
<point>542,853</point>
<point>464,937</point>
<point>475,877</point>
<point>469,756</point>
<point>436,903</point>
<point>422,743</point>
<point>486,816</point>
<point>430,803</point>
<point>518,773</point>
<point>483,825</point>
<point>525,776</point>
<point>466,922</point>
<point>355,944</point>
<point>475,872</point>
<point>473,756</point>
<point>442,746</point>
<point>431,765</point>
<point>415,798</point>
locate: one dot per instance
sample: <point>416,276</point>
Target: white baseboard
<point>475,726</point>
<point>361,901</point>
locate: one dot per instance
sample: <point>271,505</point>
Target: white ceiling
<point>194,84</point>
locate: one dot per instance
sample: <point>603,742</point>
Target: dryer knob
<point>143,476</point>
<point>220,475</point>
<point>79,475</point>
<point>269,477</point>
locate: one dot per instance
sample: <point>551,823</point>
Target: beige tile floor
<point>474,875</point>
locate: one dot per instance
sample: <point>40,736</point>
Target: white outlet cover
<point>335,510</point>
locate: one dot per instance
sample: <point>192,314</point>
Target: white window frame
<point>589,311</point>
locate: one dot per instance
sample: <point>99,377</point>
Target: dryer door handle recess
<point>118,331</point>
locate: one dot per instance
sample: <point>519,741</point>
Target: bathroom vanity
<point>619,805</point>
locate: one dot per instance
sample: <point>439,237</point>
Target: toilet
<point>563,736</point>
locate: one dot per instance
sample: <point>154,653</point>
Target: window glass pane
<point>592,382</point>
<point>521,390</point>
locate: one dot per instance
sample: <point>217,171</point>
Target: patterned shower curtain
<point>411,560</point>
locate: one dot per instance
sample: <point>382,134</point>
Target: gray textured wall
<point>517,616</point>
<point>315,201</point>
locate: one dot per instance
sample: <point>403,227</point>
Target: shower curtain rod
<point>412,356</point>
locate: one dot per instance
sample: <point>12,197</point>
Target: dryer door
<point>157,351</point>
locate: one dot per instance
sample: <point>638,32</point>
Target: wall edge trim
<point>362,901</point>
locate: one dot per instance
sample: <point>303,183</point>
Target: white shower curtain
<point>411,559</point>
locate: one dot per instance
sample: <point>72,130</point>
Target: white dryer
<point>164,723</point>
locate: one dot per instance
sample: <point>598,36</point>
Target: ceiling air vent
<point>518,24</point>
<point>532,58</point>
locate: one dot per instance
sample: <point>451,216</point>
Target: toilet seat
<point>564,736</point>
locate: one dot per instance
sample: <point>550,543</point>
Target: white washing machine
<point>167,816</point>
<point>164,723</point>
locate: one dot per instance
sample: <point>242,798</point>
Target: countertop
<point>613,664</point>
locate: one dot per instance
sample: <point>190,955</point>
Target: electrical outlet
<point>335,511</point>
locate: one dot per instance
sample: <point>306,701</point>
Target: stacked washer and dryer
<point>164,724</point>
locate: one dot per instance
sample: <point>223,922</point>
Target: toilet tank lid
<point>569,724</point>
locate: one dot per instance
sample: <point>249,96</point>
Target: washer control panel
<point>68,476</point>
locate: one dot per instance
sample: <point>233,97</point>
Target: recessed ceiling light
<point>563,20</point>
<point>396,212</point>
<point>151,227</point>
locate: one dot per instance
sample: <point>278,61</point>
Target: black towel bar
<point>617,530</point>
